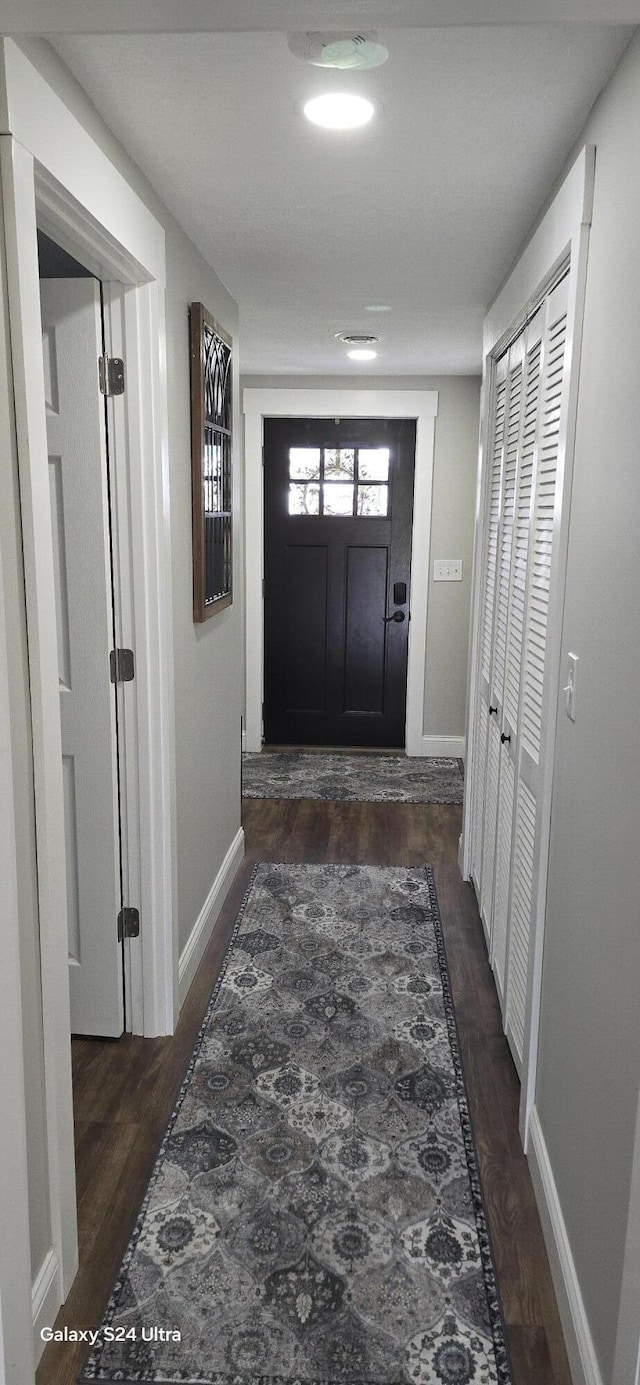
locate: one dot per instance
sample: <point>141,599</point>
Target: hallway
<point>124,1092</point>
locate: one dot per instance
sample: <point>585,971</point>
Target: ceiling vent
<point>357,338</point>
<point>348,52</point>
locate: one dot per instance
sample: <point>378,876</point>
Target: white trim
<point>33,113</point>
<point>194,948</point>
<point>86,203</point>
<point>562,235</point>
<point>579,1343</point>
<point>16,1327</point>
<point>556,234</point>
<point>28,382</point>
<point>258,404</point>
<point>443,745</point>
<point>626,1366</point>
<point>45,1299</point>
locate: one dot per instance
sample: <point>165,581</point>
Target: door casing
<point>561,237</point>
<point>421,405</point>
<point>54,175</point>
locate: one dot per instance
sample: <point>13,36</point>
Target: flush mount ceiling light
<point>357,338</point>
<point>339,110</point>
<point>378,308</point>
<point>362,353</point>
<point>348,52</point>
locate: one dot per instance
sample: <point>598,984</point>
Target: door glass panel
<point>304,463</point>
<point>373,500</point>
<point>338,499</point>
<point>373,465</point>
<point>339,464</point>
<point>304,499</point>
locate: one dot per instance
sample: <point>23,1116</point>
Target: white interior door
<point>534,726</point>
<point>504,738</point>
<point>76,435</point>
<point>486,777</point>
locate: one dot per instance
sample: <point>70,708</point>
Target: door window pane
<point>304,499</point>
<point>338,499</point>
<point>373,500</point>
<point>373,464</point>
<point>304,463</point>
<point>339,463</point>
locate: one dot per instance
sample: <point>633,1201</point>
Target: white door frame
<point>563,233</point>
<point>16,1322</point>
<point>626,1365</point>
<point>421,405</point>
<point>56,176</point>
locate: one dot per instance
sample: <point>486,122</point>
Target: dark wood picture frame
<point>211,464</point>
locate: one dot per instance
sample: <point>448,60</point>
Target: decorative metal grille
<point>211,420</point>
<point>344,481</point>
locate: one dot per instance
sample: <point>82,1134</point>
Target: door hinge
<point>122,666</point>
<point>128,924</point>
<point>111,375</point>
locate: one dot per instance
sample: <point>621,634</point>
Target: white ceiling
<point>424,209</point>
<point>200,16</point>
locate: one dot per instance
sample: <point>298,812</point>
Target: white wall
<point>208,659</point>
<point>589,1057</point>
<point>455,460</point>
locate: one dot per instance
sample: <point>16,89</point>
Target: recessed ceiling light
<point>339,110</point>
<point>362,354</point>
<point>378,308</point>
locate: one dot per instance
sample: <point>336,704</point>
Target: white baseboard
<point>46,1299</point>
<point>445,746</point>
<point>578,1340</point>
<point>193,950</point>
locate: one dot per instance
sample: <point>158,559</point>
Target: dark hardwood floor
<point>125,1090</point>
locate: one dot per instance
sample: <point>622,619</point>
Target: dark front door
<point>338,509</point>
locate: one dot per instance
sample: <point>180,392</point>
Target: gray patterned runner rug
<point>352,778</point>
<point>315,1214</point>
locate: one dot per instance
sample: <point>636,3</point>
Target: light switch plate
<point>447,570</point>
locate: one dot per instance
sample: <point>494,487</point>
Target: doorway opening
<point>338,510</point>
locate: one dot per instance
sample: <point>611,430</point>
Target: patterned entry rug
<point>352,778</point>
<point>315,1214</point>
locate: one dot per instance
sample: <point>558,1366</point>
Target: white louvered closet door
<point>529,347</point>
<point>501,732</point>
<point>482,849</point>
<point>545,369</point>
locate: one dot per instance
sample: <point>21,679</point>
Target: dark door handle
<point>504,738</point>
<point>398,617</point>
<point>493,711</point>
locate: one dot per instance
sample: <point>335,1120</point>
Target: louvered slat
<point>506,531</point>
<point>503,866</point>
<point>542,540</point>
<point>520,915</point>
<point>522,524</point>
<point>492,528</point>
<point>478,792</point>
<point>490,819</point>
